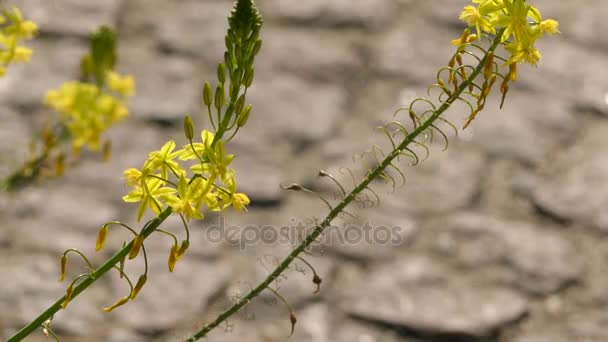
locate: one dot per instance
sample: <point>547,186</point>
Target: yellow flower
<point>473,17</point>
<point>189,199</point>
<point>549,26</point>
<point>240,201</point>
<point>148,195</point>
<point>162,160</point>
<point>124,85</point>
<point>132,176</point>
<point>22,54</point>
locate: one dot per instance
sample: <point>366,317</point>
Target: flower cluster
<point>189,195</point>
<point>521,21</point>
<point>13,31</point>
<point>87,110</point>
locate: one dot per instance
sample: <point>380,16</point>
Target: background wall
<point>501,238</point>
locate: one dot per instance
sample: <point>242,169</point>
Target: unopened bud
<point>172,258</point>
<point>101,237</point>
<point>140,283</point>
<point>207,94</point>
<point>106,151</point>
<point>60,165</point>
<point>293,320</point>
<point>244,116</point>
<point>221,73</point>
<point>220,97</point>
<point>64,262</point>
<point>118,303</point>
<point>317,281</point>
<point>136,246</point>
<point>249,77</point>
<point>182,249</point>
<point>68,297</point>
<point>513,71</point>
<point>188,128</point>
<point>488,67</point>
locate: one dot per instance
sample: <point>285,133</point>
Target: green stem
<point>94,276</point>
<point>373,174</point>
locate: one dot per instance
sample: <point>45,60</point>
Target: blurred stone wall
<point>500,238</point>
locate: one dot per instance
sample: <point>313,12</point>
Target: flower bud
<point>513,71</point>
<point>182,249</point>
<point>240,104</point>
<point>221,73</point>
<point>60,165</point>
<point>101,238</point>
<point>172,258</point>
<point>317,281</point>
<point>256,47</point>
<point>68,296</point>
<point>220,97</point>
<point>64,262</point>
<point>140,283</point>
<point>188,128</point>
<point>118,303</point>
<point>249,77</point>
<point>488,67</point>
<point>136,246</point>
<point>243,116</point>
<point>106,150</point>
<point>293,320</point>
<point>207,94</point>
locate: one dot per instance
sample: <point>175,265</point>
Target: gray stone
<point>372,14</point>
<point>527,134</point>
<point>446,181</point>
<point>475,241</point>
<point>27,84</point>
<point>288,107</point>
<point>402,52</point>
<point>584,85</point>
<point>259,181</point>
<point>33,286</point>
<point>71,17</point>
<point>576,185</point>
<point>70,212</point>
<point>167,297</point>
<point>196,28</point>
<point>376,235</point>
<point>14,140</point>
<point>314,54</point>
<point>419,295</point>
<point>166,94</point>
